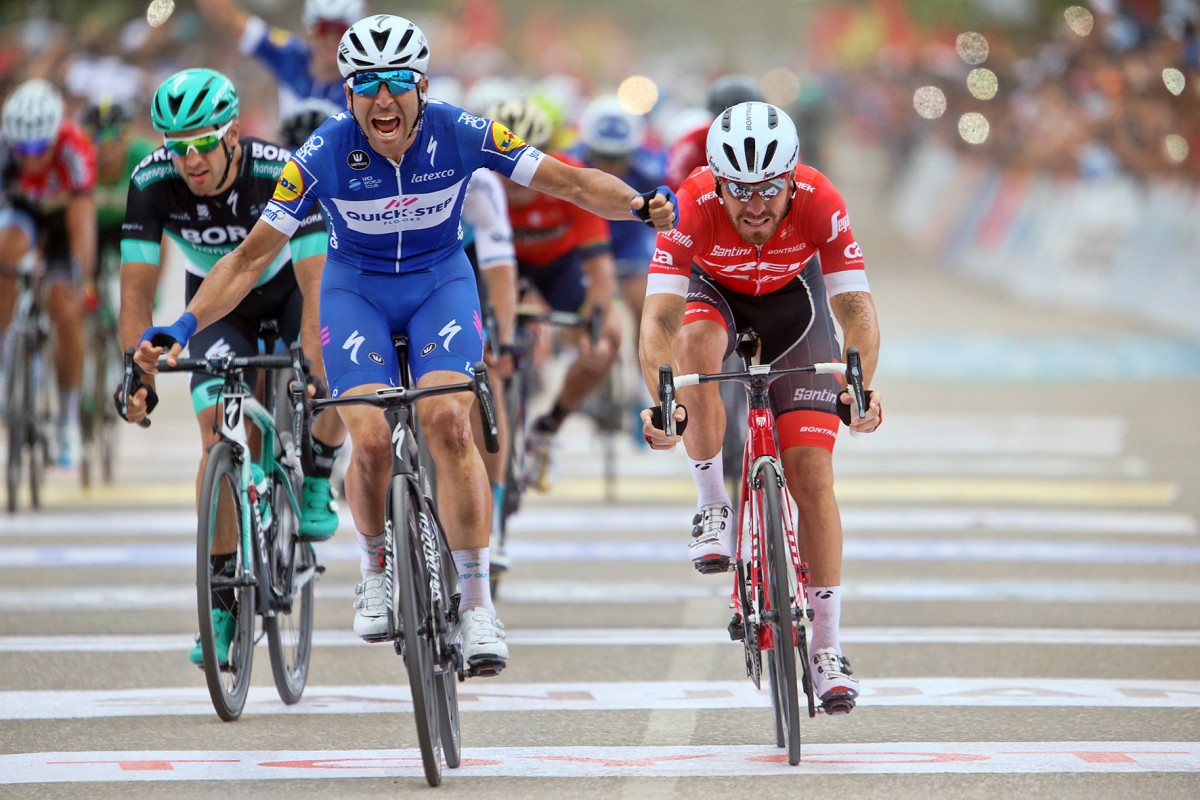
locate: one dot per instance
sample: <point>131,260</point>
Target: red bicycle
<point>769,593</point>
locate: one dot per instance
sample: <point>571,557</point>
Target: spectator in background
<point>303,67</point>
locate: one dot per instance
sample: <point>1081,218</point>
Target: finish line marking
<point>643,637</point>
<point>628,696</point>
<point>516,591</point>
<point>912,758</point>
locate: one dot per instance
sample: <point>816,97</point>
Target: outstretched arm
<point>224,15</point>
<point>598,192</point>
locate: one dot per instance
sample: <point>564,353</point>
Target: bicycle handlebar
<point>851,371</point>
<point>399,395</point>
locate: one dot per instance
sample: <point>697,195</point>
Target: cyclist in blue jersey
<point>303,66</point>
<point>390,175</point>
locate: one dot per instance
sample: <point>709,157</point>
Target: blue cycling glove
<point>643,213</point>
<point>180,331</point>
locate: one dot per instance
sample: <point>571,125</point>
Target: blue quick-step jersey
<point>389,216</point>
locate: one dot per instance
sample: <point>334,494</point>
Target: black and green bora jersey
<point>206,228</point>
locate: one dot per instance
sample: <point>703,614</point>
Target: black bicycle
<point>422,581</point>
<point>28,391</point>
<point>250,559</point>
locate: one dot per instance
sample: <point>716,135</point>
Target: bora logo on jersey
<point>290,185</point>
<point>505,140</point>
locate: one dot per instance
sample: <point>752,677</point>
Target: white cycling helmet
<point>751,143</point>
<point>383,41</point>
<point>607,129</point>
<point>33,112</point>
<point>348,11</point>
<point>525,118</point>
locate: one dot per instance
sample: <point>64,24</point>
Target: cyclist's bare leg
<point>370,468</point>
<point>66,314</point>
<point>464,500</point>
<point>328,427</point>
<point>591,368</point>
<point>809,475</point>
<point>633,292</point>
<point>700,347</point>
<point>225,540</point>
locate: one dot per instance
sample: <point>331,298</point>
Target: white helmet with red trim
<point>751,143</point>
<point>33,112</point>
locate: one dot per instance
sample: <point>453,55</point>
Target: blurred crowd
<point>1113,92</point>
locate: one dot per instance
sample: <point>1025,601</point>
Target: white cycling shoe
<point>481,636</point>
<point>712,539</point>
<point>833,684</point>
<point>371,608</point>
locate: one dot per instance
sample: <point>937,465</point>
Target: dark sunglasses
<point>399,81</point>
<point>742,192</point>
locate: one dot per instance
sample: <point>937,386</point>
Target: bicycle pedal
<point>838,704</point>
<point>485,667</point>
<point>737,630</point>
<point>712,566</point>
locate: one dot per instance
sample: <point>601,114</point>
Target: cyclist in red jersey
<point>51,212</point>
<point>742,258</point>
<point>688,151</point>
<point>565,252</point>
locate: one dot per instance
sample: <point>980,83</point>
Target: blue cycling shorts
<point>437,308</point>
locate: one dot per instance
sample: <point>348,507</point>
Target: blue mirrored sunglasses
<point>399,81</point>
<point>768,189</point>
<point>31,149</point>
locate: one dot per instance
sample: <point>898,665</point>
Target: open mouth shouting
<point>386,126</point>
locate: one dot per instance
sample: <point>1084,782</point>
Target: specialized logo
<point>291,184</point>
<point>219,349</point>
<point>398,441</point>
<point>358,159</point>
<point>502,140</point>
<point>232,202</point>
<point>449,331</point>
<point>431,151</point>
<point>233,412</point>
<point>352,343</point>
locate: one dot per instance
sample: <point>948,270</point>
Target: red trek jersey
<point>72,172</point>
<point>817,222</point>
<point>548,228</point>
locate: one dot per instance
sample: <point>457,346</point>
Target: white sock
<point>709,477</point>
<point>370,554</point>
<point>474,578</point>
<point>826,603</point>
<point>68,406</point>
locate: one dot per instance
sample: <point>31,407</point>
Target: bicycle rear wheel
<point>785,695</point>
<point>446,671</point>
<point>222,508</point>
<point>411,595</point>
<point>291,573</point>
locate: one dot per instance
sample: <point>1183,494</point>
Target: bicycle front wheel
<point>785,695</point>
<point>411,594</point>
<point>15,423</point>
<point>224,587</point>
<point>291,573</point>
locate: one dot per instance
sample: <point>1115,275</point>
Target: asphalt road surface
<point>1022,602</point>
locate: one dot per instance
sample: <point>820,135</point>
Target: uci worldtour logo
<point>358,159</point>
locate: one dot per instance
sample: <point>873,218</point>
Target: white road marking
<point>534,520</point>
<point>646,637</point>
<point>516,591</point>
<point>679,762</point>
<point>631,696</point>
<point>856,549</point>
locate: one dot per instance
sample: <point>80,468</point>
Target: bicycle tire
<point>410,595</point>
<point>288,591</point>
<point>785,697</point>
<point>449,663</point>
<point>221,499</point>
<point>41,402</point>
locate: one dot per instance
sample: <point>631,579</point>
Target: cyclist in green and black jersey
<point>205,189</point>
